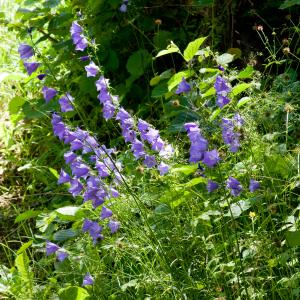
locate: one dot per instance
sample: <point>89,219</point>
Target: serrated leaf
<point>211,91</point>
<point>24,247</point>
<point>27,215</point>
<point>176,79</point>
<point>74,293</point>
<point>193,48</point>
<point>243,101</point>
<point>172,48</point>
<point>224,59</point>
<point>65,234</point>
<point>215,114</point>
<point>246,73</point>
<point>239,88</point>
<point>185,169</point>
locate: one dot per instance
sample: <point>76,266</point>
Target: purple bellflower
<point>113,226</point>
<point>65,103</point>
<point>234,186</point>
<point>212,186</point>
<point>48,93</point>
<point>222,89</point>
<point>78,39</point>
<point>183,87</point>
<point>163,168</point>
<point>31,67</point>
<point>87,280</point>
<point>105,213</point>
<point>63,177</point>
<point>92,69</point>
<point>211,158</point>
<point>51,248</point>
<point>25,51</point>
<point>254,185</point>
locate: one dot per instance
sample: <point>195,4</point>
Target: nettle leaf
<point>224,59</point>
<point>172,48</point>
<point>176,79</point>
<point>74,293</point>
<point>193,48</point>
<point>239,88</point>
<point>138,62</point>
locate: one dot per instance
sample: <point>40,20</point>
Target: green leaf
<point>172,48</point>
<point>67,212</point>
<point>74,293</point>
<point>238,208</point>
<point>293,238</point>
<point>159,90</point>
<point>64,234</point>
<point>27,215</point>
<point>211,91</point>
<point>154,80</point>
<point>138,62</point>
<point>176,79</point>
<point>239,88</point>
<point>215,114</point>
<point>192,48</point>
<point>24,247</point>
<point>289,3</point>
<point>243,101</point>
<point>185,169</point>
<point>224,59</point>
<point>246,73</point>
<point>54,172</point>
<point>15,105</point>
<point>195,181</point>
<point>131,283</point>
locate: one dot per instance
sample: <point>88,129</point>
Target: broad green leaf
<point>44,220</point>
<point>293,238</point>
<point>239,88</point>
<point>138,62</point>
<point>67,212</point>
<point>224,59</point>
<point>162,209</point>
<point>208,70</point>
<point>27,215</point>
<point>154,80</point>
<point>24,247</point>
<point>243,101</point>
<point>185,169</point>
<point>172,48</point>
<point>159,91</point>
<point>15,105</point>
<point>246,73</point>
<point>186,195</point>
<point>192,48</point>
<point>176,79</point>
<point>64,234</point>
<point>73,293</point>
<point>211,91</point>
<point>289,3</point>
<point>195,181</point>
<point>238,208</point>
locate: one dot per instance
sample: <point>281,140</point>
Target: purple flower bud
<point>61,255</point>
<point>87,280</point>
<point>183,87</point>
<point>31,67</point>
<point>163,168</point>
<point>48,93</point>
<point>84,58</point>
<point>254,185</point>
<point>123,8</point>
<point>234,186</point>
<point>113,225</point>
<point>212,186</point>
<point>41,76</point>
<point>91,69</point>
<point>25,51</point>
<point>51,248</point>
<point>105,213</point>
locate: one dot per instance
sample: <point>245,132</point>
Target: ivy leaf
<point>192,48</point>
